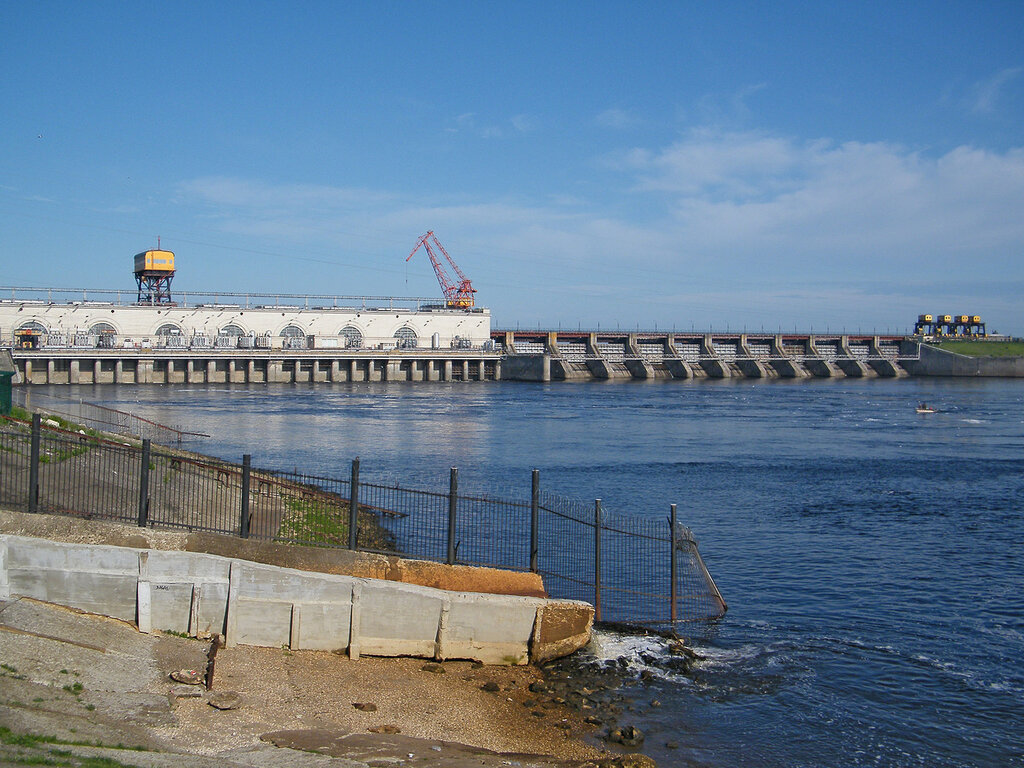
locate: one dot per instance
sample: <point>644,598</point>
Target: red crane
<point>458,295</point>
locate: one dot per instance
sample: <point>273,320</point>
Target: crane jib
<point>457,294</point>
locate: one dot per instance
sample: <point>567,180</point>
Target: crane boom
<point>460,295</point>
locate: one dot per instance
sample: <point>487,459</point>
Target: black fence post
<point>534,519</point>
<point>33,464</point>
<point>144,485</point>
<point>597,560</point>
<point>453,503</point>
<point>353,507</point>
<point>673,565</point>
<point>243,526</point>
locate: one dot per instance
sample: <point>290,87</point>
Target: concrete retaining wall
<point>265,605</point>
<point>939,362</point>
<point>343,562</point>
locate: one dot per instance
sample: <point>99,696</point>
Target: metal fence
<point>633,569</point>
<point>99,417</point>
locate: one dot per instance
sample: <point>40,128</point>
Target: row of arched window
<point>352,335</point>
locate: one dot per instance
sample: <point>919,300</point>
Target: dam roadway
<point>518,355</point>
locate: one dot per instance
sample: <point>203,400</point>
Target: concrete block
<point>323,626</point>
<point>167,567</point>
<point>489,628</point>
<point>47,555</point>
<point>563,626</point>
<point>262,622</point>
<point>170,606</point>
<point>105,594</point>
<point>212,610</point>
<point>265,582</point>
<point>398,620</point>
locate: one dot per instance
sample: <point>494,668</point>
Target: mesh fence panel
<point>15,445</point>
<point>196,495</point>
<point>631,581</point>
<point>79,475</point>
<point>416,521</point>
<point>566,546</point>
<point>493,532</point>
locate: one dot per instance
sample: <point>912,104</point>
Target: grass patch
<point>314,521</point>
<point>320,521</point>
<point>983,348</point>
<point>176,633</point>
<point>10,738</point>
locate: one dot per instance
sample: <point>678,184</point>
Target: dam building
<point>65,337</point>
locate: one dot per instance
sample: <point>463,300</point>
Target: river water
<point>872,558</point>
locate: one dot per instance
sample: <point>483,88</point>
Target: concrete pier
<point>64,366</point>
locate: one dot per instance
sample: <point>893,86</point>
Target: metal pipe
<point>144,484</point>
<point>243,527</point>
<point>597,560</point>
<point>534,520</point>
<point>353,507</point>
<point>453,503</point>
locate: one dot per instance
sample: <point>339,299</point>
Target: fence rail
<point>100,417</point>
<point>633,569</point>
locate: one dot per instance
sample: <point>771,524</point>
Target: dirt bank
<point>83,678</point>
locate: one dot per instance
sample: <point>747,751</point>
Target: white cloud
<point>987,92</point>
<point>750,192</point>
<point>778,230</point>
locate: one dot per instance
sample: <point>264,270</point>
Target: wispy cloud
<point>617,119</point>
<point>525,123</point>
<point>469,123</point>
<point>985,94</point>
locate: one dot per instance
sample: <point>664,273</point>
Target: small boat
<point>924,408</point>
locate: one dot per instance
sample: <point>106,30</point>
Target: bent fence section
<point>633,569</point>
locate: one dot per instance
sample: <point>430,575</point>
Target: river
<point>872,558</point>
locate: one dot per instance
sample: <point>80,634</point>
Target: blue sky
<point>743,165</point>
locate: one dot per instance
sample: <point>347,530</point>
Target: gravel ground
<point>83,678</point>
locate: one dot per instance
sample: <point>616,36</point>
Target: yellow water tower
<point>153,273</point>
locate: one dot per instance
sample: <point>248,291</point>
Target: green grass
<point>314,521</point>
<point>10,738</point>
<point>983,348</point>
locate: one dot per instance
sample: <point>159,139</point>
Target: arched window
<point>352,336</point>
<point>98,328</point>
<point>231,330</point>
<point>406,337</point>
<point>32,325</point>
<point>293,331</point>
<point>168,329</point>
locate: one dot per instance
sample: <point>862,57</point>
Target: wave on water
<point>639,654</point>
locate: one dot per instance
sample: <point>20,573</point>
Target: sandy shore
<point>79,678</point>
